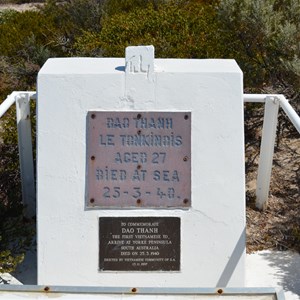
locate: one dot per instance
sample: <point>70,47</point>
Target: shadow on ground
<point>286,264</point>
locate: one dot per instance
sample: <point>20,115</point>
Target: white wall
<point>212,230</point>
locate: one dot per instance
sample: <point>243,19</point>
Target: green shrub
<point>27,40</point>
<point>182,31</point>
<point>263,36</point>
<point>17,28</point>
<point>23,51</point>
<point>265,39</point>
<point>71,19</point>
<point>6,15</point>
<point>112,7</point>
<point>16,236</point>
<point>16,232</point>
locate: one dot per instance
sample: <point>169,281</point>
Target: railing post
<point>266,151</point>
<point>290,112</point>
<point>25,154</point>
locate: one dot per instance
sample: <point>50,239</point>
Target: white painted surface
<point>278,269</point>
<point>266,151</point>
<point>7,103</point>
<point>140,78</point>
<point>291,113</point>
<point>22,100</point>
<point>32,295</point>
<point>25,154</point>
<point>6,278</point>
<point>212,231</point>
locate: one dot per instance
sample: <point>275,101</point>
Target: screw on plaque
<point>185,158</point>
<point>93,157</point>
<point>138,116</point>
<point>139,167</point>
<point>186,117</point>
<point>186,201</point>
<point>139,132</point>
<point>133,290</point>
<point>220,291</point>
<point>93,116</point>
<point>138,201</point>
<point>92,200</point>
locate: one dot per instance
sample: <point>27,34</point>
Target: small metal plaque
<point>139,244</point>
<point>138,159</point>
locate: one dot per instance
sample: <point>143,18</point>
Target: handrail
<point>290,112</point>
<point>86,292</point>
<point>7,103</point>
<point>284,104</point>
<point>11,99</point>
<point>271,101</point>
<point>22,100</point>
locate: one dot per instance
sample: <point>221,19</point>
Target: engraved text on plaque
<point>138,159</point>
<point>139,244</point>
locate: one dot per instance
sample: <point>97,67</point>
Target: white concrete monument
<point>141,172</point>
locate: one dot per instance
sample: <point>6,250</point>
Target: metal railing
<point>92,292</point>
<point>272,104</point>
<point>22,100</point>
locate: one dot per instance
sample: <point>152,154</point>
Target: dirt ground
<point>277,227</point>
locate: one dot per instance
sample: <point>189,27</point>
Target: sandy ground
<point>20,7</point>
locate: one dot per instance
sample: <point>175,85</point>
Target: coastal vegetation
<point>262,36</point>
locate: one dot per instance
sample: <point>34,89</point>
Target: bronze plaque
<point>139,244</point>
<point>138,159</point>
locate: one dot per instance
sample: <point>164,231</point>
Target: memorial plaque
<point>138,159</point>
<point>139,244</point>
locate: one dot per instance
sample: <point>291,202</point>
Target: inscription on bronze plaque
<point>138,159</point>
<point>139,244</point>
